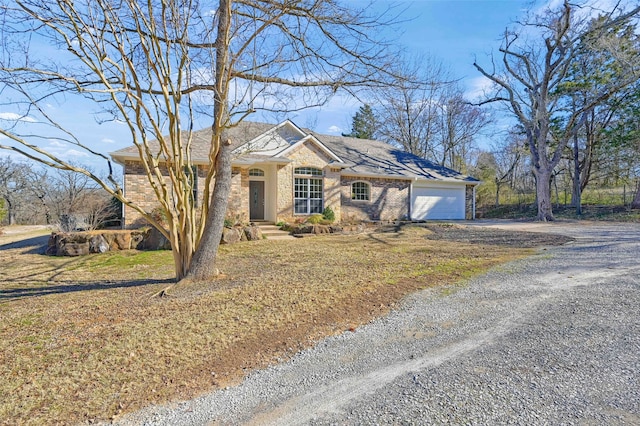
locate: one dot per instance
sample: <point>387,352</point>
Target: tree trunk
<point>203,263</point>
<point>11,213</point>
<point>635,204</point>
<point>576,195</point>
<point>543,195</point>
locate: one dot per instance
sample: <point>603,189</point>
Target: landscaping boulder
<point>52,245</point>
<point>153,240</point>
<point>73,249</point>
<point>148,238</point>
<point>121,241</point>
<point>253,233</point>
<point>231,235</point>
<point>98,244</point>
<point>303,229</point>
<point>321,229</point>
<point>137,239</point>
<point>352,229</point>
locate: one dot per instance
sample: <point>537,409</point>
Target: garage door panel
<point>437,203</point>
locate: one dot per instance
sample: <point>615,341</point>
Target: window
<point>360,191</point>
<point>307,191</point>
<point>256,172</point>
<point>307,171</point>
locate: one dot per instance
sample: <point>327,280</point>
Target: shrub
<point>328,214</point>
<point>160,215</point>
<point>315,219</point>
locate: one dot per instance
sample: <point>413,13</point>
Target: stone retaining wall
<point>148,238</point>
<point>82,243</point>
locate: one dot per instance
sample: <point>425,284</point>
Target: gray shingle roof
<point>371,157</point>
<point>239,135</point>
<point>360,156</point>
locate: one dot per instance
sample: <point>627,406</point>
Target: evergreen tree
<point>365,124</point>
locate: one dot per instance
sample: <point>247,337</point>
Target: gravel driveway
<point>551,339</point>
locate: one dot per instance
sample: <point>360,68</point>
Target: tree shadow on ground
<point>34,245</point>
<point>45,290</point>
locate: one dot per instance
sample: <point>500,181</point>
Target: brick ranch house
<point>286,173</point>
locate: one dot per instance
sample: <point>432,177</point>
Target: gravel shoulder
<point>551,339</point>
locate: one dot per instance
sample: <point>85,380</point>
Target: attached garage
<point>437,202</point>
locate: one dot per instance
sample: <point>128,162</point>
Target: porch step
<point>272,232</point>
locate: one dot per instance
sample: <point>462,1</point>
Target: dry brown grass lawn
<point>82,338</point>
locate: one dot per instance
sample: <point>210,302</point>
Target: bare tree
<point>528,80</point>
<point>459,125</point>
<point>429,117</point>
<point>39,189</point>
<point>407,112</point>
<point>156,65</point>
<point>75,201</point>
<point>13,185</point>
<point>98,210</point>
<point>508,159</point>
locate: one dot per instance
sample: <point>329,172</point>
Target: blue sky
<point>452,31</point>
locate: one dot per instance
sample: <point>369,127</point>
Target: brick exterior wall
<point>389,200</point>
<point>139,191</point>
<point>333,192</point>
<point>284,203</point>
<point>238,208</point>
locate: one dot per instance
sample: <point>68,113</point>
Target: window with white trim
<point>256,172</point>
<point>360,191</point>
<point>307,171</point>
<point>307,191</point>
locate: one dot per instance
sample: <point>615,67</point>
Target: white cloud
<point>56,144</point>
<point>12,116</point>
<point>334,130</point>
<point>76,153</point>
<point>478,87</point>
<point>107,140</point>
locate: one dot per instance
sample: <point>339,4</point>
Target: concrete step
<point>272,232</point>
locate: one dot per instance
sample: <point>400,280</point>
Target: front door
<point>256,203</point>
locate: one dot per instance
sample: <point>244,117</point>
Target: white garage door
<point>437,203</point>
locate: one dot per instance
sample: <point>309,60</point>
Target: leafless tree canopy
<point>530,74</point>
<point>427,115</point>
<point>60,198</point>
<point>159,66</point>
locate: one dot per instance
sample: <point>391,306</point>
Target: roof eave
<point>375,175</point>
<point>243,162</point>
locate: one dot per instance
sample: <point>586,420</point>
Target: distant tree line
<point>33,195</point>
<point>573,89</point>
<point>430,119</point>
